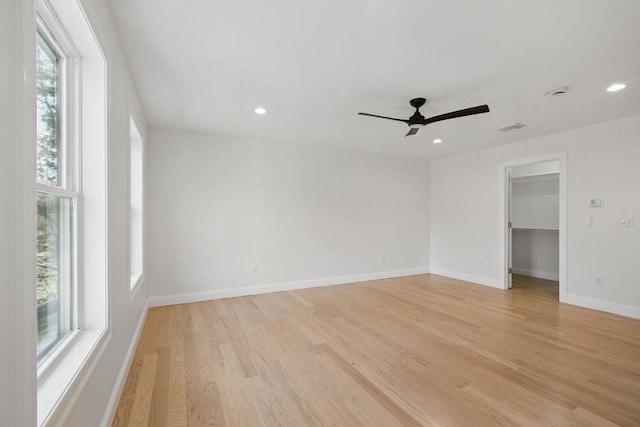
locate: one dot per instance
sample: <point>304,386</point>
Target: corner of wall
<point>479,280</point>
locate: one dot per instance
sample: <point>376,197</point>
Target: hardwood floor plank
<point>160,395</point>
<point>402,416</point>
<point>123,411</point>
<point>273,403</point>
<point>420,350</point>
<point>140,411</point>
<point>177,405</point>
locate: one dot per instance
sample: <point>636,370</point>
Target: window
<point>136,202</point>
<point>56,198</point>
<point>71,182</point>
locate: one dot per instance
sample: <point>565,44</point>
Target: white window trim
<point>136,277</point>
<point>61,377</point>
<point>58,376</point>
<point>137,281</point>
<point>18,225</point>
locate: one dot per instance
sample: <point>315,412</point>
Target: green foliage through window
<point>48,114</point>
<point>54,209</point>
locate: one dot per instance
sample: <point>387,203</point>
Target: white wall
<point>17,223</point>
<point>535,202</point>
<point>603,161</point>
<point>536,253</point>
<point>219,206</point>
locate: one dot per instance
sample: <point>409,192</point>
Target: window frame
<point>61,376</point>
<point>68,183</point>
<point>136,141</point>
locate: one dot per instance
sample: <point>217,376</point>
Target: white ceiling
<point>204,66</point>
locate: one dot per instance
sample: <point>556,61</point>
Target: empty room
<point>319,213</point>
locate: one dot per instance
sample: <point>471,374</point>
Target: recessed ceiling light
<point>616,87</point>
<point>437,141</point>
<point>260,110</point>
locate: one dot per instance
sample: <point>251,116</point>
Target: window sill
<point>65,371</point>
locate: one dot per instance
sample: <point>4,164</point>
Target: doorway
<point>534,224</point>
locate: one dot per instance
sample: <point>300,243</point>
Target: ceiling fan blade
<point>383,117</point>
<point>412,131</point>
<point>460,113</point>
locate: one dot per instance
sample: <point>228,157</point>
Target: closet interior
<point>535,220</point>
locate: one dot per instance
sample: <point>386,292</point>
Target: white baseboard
<point>278,287</point>
<point>112,405</point>
<point>609,307</point>
<point>486,281</point>
<point>537,274</point>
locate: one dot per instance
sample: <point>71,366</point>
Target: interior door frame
<point>504,250</point>
<point>509,231</point>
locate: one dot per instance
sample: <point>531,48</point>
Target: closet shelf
<point>535,228</point>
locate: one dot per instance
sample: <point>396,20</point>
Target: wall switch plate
<point>599,281</point>
<point>626,221</point>
<point>383,259</point>
<point>254,270</point>
<point>588,222</point>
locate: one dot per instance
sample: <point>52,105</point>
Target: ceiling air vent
<point>558,92</point>
<point>511,128</point>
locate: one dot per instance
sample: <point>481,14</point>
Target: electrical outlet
<point>599,281</point>
<point>383,259</point>
<point>254,270</point>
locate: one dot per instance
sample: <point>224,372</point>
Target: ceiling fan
<point>416,121</point>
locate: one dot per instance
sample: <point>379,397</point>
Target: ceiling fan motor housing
<point>417,120</point>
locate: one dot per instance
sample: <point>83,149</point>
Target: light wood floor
<point>420,350</point>
<point>536,288</point>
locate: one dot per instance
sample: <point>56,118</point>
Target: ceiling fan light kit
<point>417,120</point>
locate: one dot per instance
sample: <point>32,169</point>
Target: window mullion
<point>56,191</point>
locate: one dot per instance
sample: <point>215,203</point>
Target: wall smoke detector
<point>511,128</point>
<point>558,92</point>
